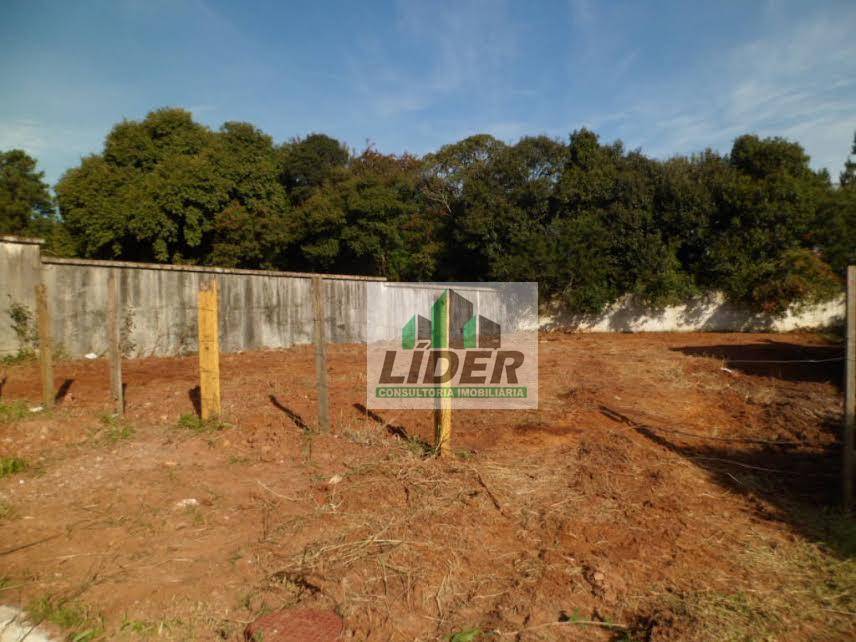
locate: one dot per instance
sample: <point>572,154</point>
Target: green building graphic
<point>466,330</point>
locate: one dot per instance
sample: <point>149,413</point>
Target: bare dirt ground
<point>600,516</point>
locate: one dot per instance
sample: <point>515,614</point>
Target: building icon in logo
<point>466,330</point>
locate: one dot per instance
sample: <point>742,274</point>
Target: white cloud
<point>55,148</point>
<point>798,82</point>
<point>466,46</point>
<point>24,134</point>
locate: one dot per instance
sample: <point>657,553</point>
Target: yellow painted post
<point>209,350</point>
<point>443,408</point>
<point>320,353</point>
<point>43,320</point>
<point>113,349</point>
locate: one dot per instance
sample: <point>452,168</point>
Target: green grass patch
<point>22,356</point>
<point>195,424</point>
<point>115,428</point>
<point>12,466</point>
<point>140,627</point>
<point>13,411</point>
<point>79,620</point>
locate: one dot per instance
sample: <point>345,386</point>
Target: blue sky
<point>669,77</point>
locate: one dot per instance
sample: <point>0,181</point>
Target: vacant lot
<point>603,515</point>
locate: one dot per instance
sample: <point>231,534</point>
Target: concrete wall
<point>265,309</point>
<point>710,313</point>
<point>258,309</point>
<point>20,270</point>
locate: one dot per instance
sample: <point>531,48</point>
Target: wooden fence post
<point>320,339</point>
<point>43,320</point>
<point>209,350</point>
<point>114,351</point>
<point>849,390</point>
<point>443,408</point>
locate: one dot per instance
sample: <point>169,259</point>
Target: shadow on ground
<point>297,419</point>
<point>778,359</point>
<point>62,391</point>
<point>785,480</point>
<point>393,429</point>
<point>195,396</point>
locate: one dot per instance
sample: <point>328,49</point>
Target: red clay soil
<point>581,520</point>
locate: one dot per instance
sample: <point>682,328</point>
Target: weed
<point>22,356</point>
<point>140,627</point>
<point>470,635</point>
<point>13,411</point>
<point>78,619</point>
<point>148,629</point>
<point>361,437</point>
<point>6,510</point>
<point>195,424</point>
<point>60,353</point>
<point>196,516</point>
<point>22,325</point>
<point>11,466</point>
<point>418,447</point>
<point>115,428</point>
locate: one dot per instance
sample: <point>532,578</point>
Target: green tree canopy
<point>26,206</point>
<point>169,189</point>
<point>307,162</point>
<point>590,221</point>
<point>369,219</point>
<point>24,196</point>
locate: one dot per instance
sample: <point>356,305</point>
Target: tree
<point>450,183</point>
<point>306,163</point>
<point>765,213</point>
<point>254,228</point>
<point>589,221</point>
<point>368,219</point>
<point>24,196</point>
<point>167,189</point>
<point>847,178</point>
<point>835,227</point>
<point>26,207</point>
<point>613,238</point>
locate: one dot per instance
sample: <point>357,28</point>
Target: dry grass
<point>419,547</point>
<point>798,590</point>
<point>555,524</point>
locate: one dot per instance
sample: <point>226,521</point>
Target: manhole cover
<point>297,625</point>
